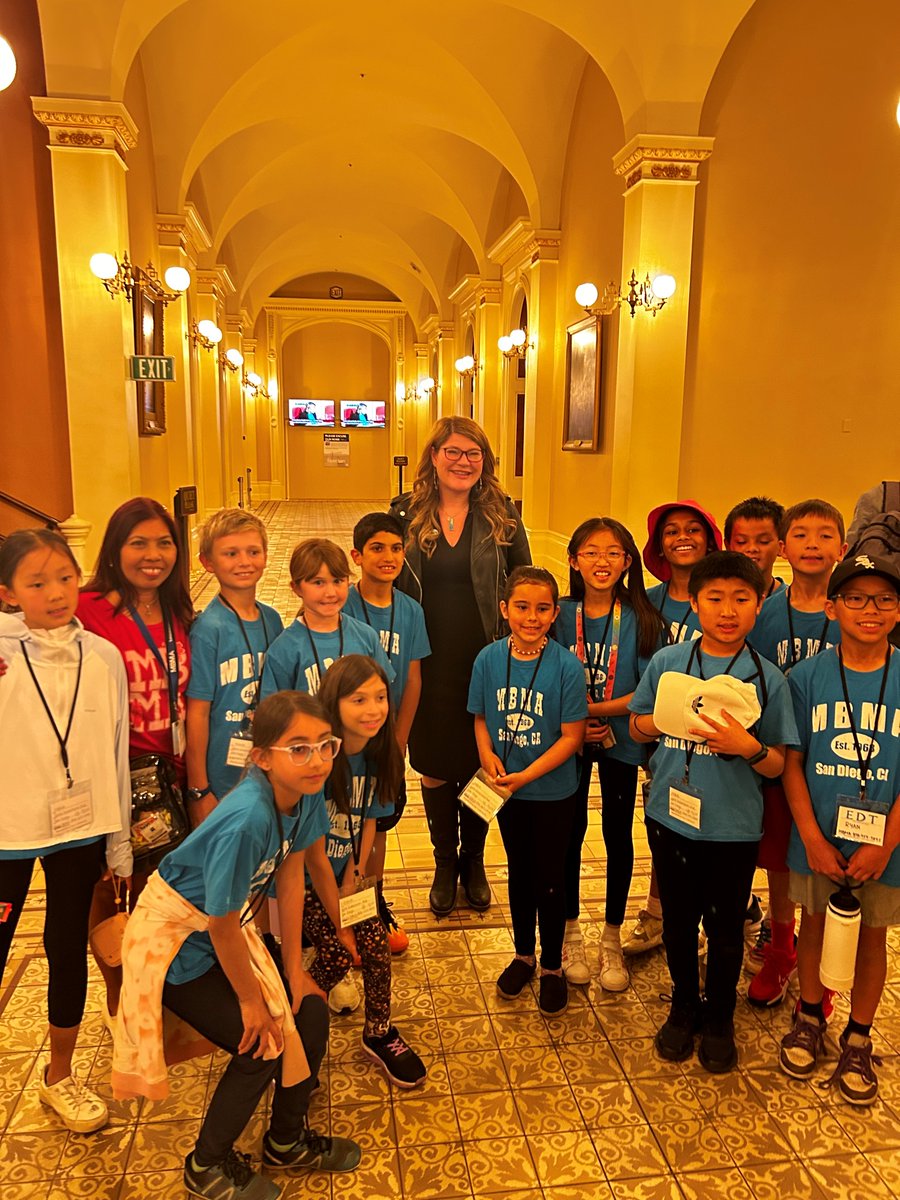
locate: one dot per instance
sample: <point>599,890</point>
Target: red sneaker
<point>397,937</point>
<point>769,987</point>
<point>827,1004</point>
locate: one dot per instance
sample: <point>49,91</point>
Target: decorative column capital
<point>662,158</point>
<point>184,231</point>
<point>78,124</point>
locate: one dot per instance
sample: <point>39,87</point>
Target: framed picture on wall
<point>149,338</point>
<point>581,420</point>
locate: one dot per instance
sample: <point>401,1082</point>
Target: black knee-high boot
<point>472,834</point>
<point>441,809</point>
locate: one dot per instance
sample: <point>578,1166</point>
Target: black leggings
<point>618,789</point>
<point>209,1005</point>
<point>70,876</point>
<point>535,836</point>
<point>708,882</point>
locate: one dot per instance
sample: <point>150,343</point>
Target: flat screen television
<point>363,414</point>
<point>311,412</point>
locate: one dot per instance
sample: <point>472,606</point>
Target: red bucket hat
<point>653,560</point>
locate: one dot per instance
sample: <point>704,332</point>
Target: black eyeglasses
<point>454,454</point>
<point>884,601</point>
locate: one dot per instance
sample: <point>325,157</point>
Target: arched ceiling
<point>377,139</point>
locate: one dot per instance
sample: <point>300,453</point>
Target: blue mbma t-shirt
<point>681,621</point>
<point>229,857</point>
<point>293,664</point>
<point>226,674</point>
<point>731,805</point>
<point>524,724</point>
<point>629,667</point>
<point>826,739</point>
<point>771,633</point>
<point>406,642</point>
<point>338,841</point>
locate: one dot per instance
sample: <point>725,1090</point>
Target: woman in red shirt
<point>136,599</point>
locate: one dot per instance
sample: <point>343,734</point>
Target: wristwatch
<point>197,793</point>
<point>758,756</point>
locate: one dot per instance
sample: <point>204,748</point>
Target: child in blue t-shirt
<point>229,641</point>
<point>704,813</point>
<point>272,827</point>
<point>792,626</point>
<point>608,622</point>
<point>843,786</point>
<point>399,622</point>
<point>321,634</point>
<point>356,694</point>
<point>528,698</point>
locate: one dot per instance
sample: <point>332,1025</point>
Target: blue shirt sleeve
<point>278,672</point>
<point>204,656</point>
<point>777,725</point>
<point>574,697</point>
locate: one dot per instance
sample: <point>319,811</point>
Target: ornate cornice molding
<point>662,158</point>
<point>216,282</point>
<point>78,124</point>
<point>185,230</point>
<point>522,245</point>
<point>435,330</point>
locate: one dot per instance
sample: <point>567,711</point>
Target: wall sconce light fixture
<point>232,360</point>
<point>206,334</point>
<point>650,296</point>
<point>420,391</point>
<point>122,276</point>
<point>514,344</point>
<point>7,64</point>
<point>467,365</point>
<point>253,383</point>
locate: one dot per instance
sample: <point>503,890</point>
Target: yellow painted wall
<point>796,314</point>
<point>592,209</point>
<point>334,361</point>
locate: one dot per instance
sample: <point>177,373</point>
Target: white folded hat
<point>680,697</point>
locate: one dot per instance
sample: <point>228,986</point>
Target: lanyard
<point>356,846</point>
<point>864,761</point>
<point>312,644</point>
<point>614,614</point>
<point>365,608</point>
<point>171,672</point>
<point>820,644</point>
<point>64,737</point>
<point>250,650</point>
<point>526,703</point>
<point>698,654</point>
<point>678,632</point>
<point>255,903</point>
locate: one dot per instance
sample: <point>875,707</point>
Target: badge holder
<point>685,803</point>
<point>362,905</point>
<point>858,819</point>
<point>239,746</point>
<point>106,938</point>
<point>483,796</point>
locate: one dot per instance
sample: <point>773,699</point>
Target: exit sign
<point>157,368</point>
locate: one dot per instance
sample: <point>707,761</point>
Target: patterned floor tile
<point>433,1172</point>
<point>631,1153</point>
<point>503,1163</point>
<point>476,1071</point>
<point>548,1110</point>
<point>782,1181</point>
<point>483,1115</point>
<point>715,1185</point>
<point>422,1122</point>
<point>848,1177</point>
<point>565,1158</point>
<point>691,1145</point>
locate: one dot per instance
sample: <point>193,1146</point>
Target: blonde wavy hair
<point>486,497</point>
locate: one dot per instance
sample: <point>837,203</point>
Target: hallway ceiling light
<point>232,359</point>
<point>650,296</point>
<point>206,334</point>
<point>467,365</point>
<point>514,344</point>
<point>7,64</point>
<point>122,276</point>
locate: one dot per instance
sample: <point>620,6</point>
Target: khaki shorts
<point>880,903</point>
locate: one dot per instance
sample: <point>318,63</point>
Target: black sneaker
<point>313,1152</point>
<point>675,1040</point>
<point>553,995</point>
<point>514,978</point>
<point>401,1064</point>
<point>233,1179</point>
<point>717,1052</point>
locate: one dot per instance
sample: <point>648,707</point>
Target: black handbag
<point>159,821</point>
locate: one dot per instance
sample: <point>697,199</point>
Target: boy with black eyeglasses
<point>842,786</point>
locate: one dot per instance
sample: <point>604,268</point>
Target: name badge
<point>483,796</point>
<point>239,748</point>
<point>362,905</point>
<point>71,809</point>
<point>179,738</point>
<point>860,820</point>
<point>685,805</point>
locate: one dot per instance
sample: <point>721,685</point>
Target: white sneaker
<point>79,1109</point>
<point>344,996</point>
<point>109,1020</point>
<point>574,960</point>
<point>614,975</point>
<point>646,935</point>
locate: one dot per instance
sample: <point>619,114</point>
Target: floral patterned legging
<point>333,961</point>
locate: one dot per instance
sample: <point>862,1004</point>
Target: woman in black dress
<point>464,537</point>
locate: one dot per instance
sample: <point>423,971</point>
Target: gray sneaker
<point>800,1049</point>
<point>854,1074</point>
<point>646,935</point>
<point>233,1179</point>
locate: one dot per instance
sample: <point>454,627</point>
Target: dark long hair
<point>630,586</point>
<point>108,575</point>
<point>382,753</point>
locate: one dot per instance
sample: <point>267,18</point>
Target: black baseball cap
<point>859,565</point>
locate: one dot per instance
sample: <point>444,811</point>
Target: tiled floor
<point>516,1107</point>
